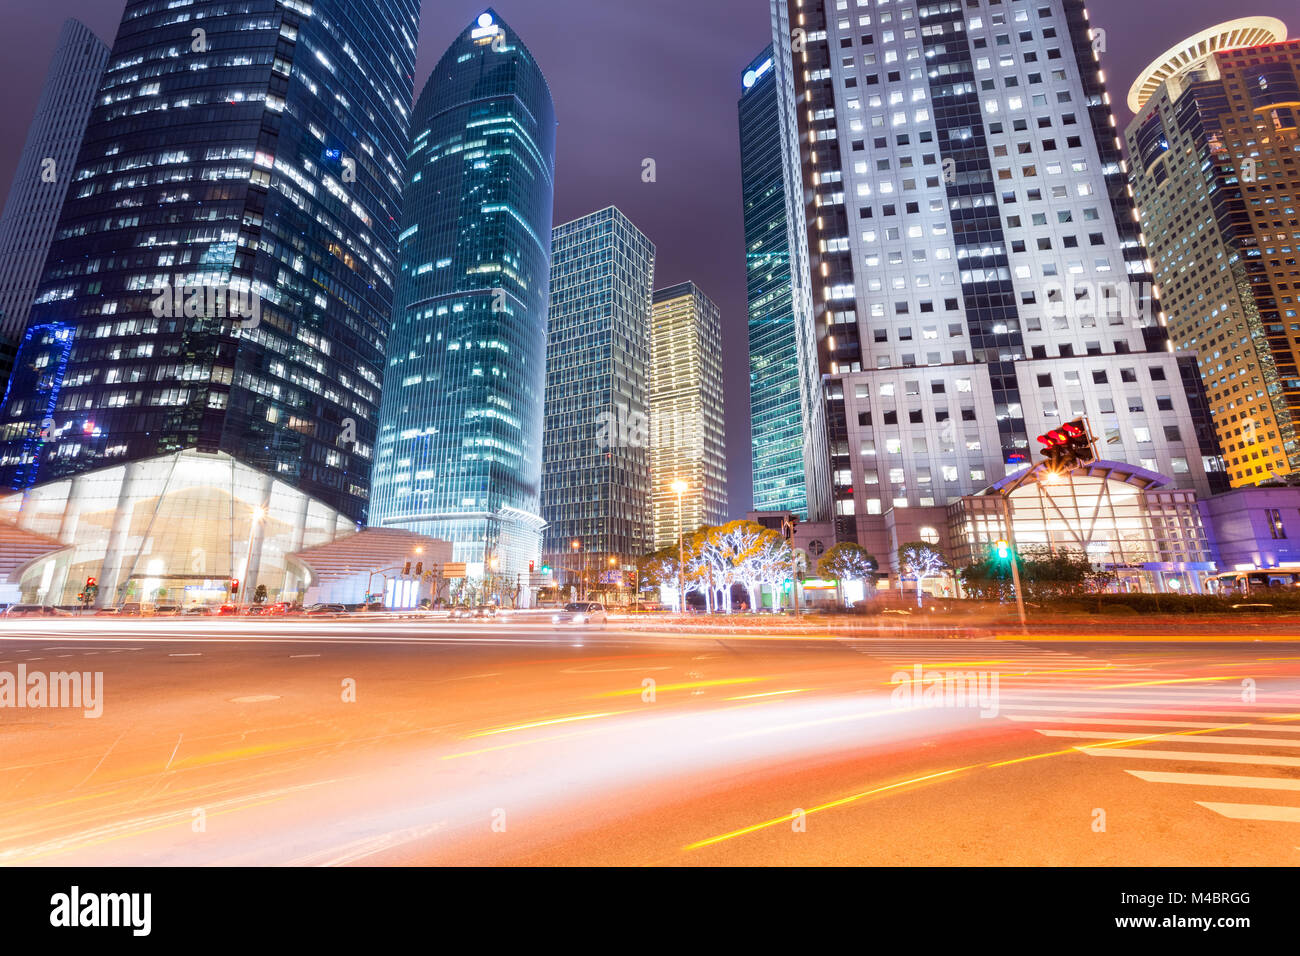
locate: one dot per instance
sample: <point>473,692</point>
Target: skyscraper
<point>1215,171</point>
<point>788,425</point>
<point>978,274</point>
<point>460,447</point>
<point>222,275</point>
<point>44,171</point>
<point>686,412</point>
<point>595,459</point>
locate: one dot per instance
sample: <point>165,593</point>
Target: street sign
<point>454,570</point>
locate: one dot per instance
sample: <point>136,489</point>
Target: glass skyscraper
<point>44,171</point>
<point>788,427</point>
<point>686,412</point>
<point>1215,172</point>
<point>595,450</point>
<point>460,445</point>
<point>220,283</point>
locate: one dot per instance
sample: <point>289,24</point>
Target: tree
<point>921,560</point>
<point>659,570</point>
<point>847,561</point>
<point>259,595</point>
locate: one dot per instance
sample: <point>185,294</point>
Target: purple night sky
<point>633,80</point>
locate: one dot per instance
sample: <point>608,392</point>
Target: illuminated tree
<point>920,560</point>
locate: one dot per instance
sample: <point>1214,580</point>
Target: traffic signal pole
<point>1015,553</point>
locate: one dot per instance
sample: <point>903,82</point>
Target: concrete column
<point>264,485</point>
<point>112,574</point>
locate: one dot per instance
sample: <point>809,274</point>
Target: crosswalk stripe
<point>1254,811</point>
<point>1123,722</point>
<point>1199,738</point>
<point>1004,705</point>
<point>1195,756</point>
<point>1216,780</point>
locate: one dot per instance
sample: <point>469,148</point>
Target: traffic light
<point>546,569</point>
<point>419,569</point>
<point>92,583</point>
<point>406,569</point>
<point>788,526</point>
<point>234,585</point>
<point>530,566</point>
<point>1003,550</point>
<point>1068,446</point>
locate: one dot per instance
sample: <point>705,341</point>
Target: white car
<point>581,613</point>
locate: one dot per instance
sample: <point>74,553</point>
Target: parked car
<point>167,610</point>
<point>197,610</point>
<point>227,610</point>
<point>318,609</point>
<point>581,613</point>
<point>281,608</point>
<point>107,611</point>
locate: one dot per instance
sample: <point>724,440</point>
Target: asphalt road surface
<point>335,742</point>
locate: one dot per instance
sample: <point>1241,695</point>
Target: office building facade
<point>787,416</point>
<point>595,447</point>
<point>978,273</point>
<point>1215,167</point>
<point>460,446</point>
<point>220,281</point>
<point>686,413</point>
<point>45,169</point>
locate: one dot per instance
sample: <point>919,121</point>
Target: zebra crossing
<point>1140,711</point>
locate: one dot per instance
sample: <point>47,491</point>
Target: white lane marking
<point>174,749</point>
<point>1121,722</point>
<point>196,654</point>
<point>1173,737</point>
<point>254,699</point>
<point>292,656</point>
<point>1194,756</point>
<point>1150,711</point>
<point>1216,780</point>
<point>591,669</point>
<point>1254,811</point>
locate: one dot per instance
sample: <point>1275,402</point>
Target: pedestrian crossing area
<point>1224,729</point>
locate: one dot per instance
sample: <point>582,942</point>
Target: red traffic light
<point>234,585</point>
<point>92,582</point>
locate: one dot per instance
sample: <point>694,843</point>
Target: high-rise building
<point>686,412</point>
<point>44,171</point>
<point>1215,167</point>
<point>219,289</point>
<point>788,425</point>
<point>595,447</point>
<point>460,446</point>
<point>978,274</point>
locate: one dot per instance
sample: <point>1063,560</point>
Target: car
<point>167,610</point>
<point>281,608</point>
<point>581,613</point>
<point>130,610</point>
<point>319,609</point>
<point>107,612</point>
<point>462,611</point>
<point>486,612</point>
<point>257,610</point>
<point>197,610</point>
<point>227,610</point>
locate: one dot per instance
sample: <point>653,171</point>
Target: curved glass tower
<point>460,450</point>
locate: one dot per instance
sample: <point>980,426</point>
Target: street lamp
<point>576,545</point>
<point>258,514</point>
<point>680,487</point>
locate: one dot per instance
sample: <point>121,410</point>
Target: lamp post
<point>576,546</point>
<point>680,487</point>
<point>258,514</point>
